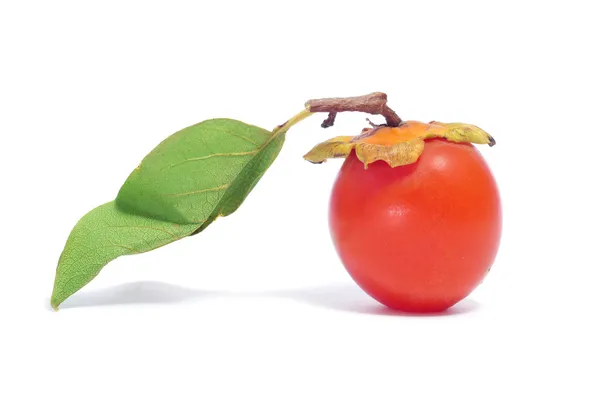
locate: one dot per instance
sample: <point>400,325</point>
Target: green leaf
<point>102,235</point>
<point>191,178</point>
<point>201,172</point>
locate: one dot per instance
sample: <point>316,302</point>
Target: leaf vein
<point>212,156</point>
<point>143,227</point>
<point>215,189</point>
<point>240,136</point>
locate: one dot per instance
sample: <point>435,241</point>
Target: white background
<point>258,304</point>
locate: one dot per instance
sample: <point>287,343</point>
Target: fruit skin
<point>420,237</point>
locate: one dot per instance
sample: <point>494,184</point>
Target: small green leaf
<point>201,172</point>
<point>102,235</point>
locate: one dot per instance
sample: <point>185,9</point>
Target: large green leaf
<point>191,178</point>
<point>102,235</point>
<point>201,172</point>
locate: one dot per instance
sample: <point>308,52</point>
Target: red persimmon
<point>422,236</point>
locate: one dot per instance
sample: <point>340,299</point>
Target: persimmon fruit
<point>418,237</point>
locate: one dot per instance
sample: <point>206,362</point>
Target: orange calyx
<point>397,146</point>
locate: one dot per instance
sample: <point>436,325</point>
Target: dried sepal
<point>461,132</point>
<point>337,147</point>
<point>399,154</point>
<point>397,146</point>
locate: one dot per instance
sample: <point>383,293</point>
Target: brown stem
<point>374,103</point>
<point>329,121</point>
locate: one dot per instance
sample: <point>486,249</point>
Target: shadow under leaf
<point>143,292</point>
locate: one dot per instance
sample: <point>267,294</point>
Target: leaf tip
<point>54,303</point>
